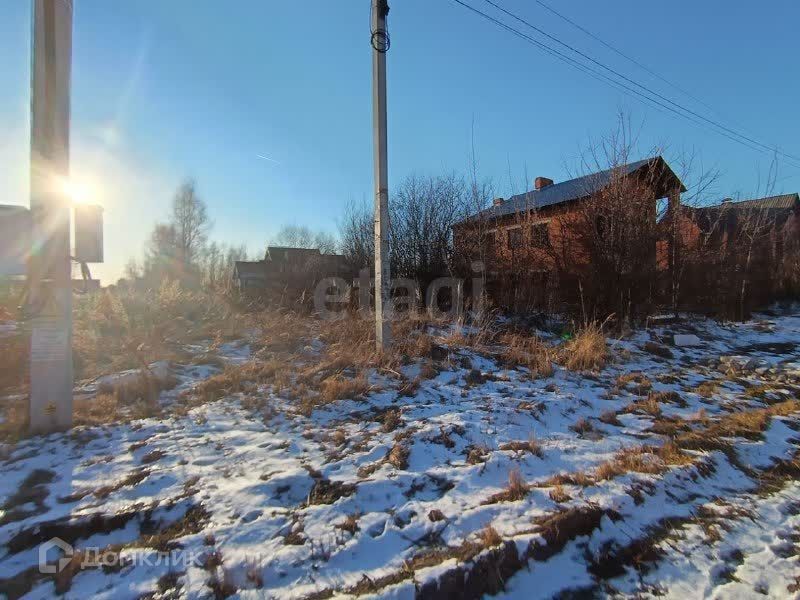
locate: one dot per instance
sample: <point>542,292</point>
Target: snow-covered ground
<point>391,495</point>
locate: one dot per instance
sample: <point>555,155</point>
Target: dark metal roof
<point>565,191</point>
<point>249,269</point>
<point>783,201</point>
<point>289,253</point>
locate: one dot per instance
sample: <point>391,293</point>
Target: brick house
<point>779,218</point>
<point>532,243</point>
<point>726,245</point>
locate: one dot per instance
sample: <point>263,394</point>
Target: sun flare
<point>78,192</point>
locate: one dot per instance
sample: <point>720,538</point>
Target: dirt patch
<point>486,575</point>
<point>328,492</point>
<point>104,491</point>
<point>564,526</point>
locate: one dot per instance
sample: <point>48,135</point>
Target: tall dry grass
<point>529,351</point>
<point>587,350</point>
<point>126,328</point>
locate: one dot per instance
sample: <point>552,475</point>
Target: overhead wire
<point>637,84</point>
<point>621,85</point>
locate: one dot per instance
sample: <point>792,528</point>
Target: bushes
<point>129,327</point>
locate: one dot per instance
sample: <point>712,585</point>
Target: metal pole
<point>380,45</point>
<point>50,270</point>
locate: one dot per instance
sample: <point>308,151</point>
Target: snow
<point>686,339</point>
<point>253,468</point>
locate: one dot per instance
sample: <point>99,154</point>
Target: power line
<point>606,79</point>
<point>623,54</point>
<point>641,65</point>
<point>637,84</point>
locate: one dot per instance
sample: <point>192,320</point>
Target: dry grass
<point>707,388</point>
<point>750,423</point>
<point>14,425</point>
<point>669,397</point>
<point>350,524</point>
<point>143,387</point>
<point>390,420</point>
<point>643,459</point>
<point>558,495</point>
<point>340,388</point>
<point>477,454</point>
<point>528,351</point>
<point>14,367</point>
<point>648,406</point>
<point>398,456</point>
<point>609,417</point>
<point>125,328</point>
<point>489,537</point>
<point>235,379</point>
<point>641,383</point>
<point>582,426</point>
<point>579,478</point>
<point>532,446</point>
<point>516,489</point>
<point>587,351</point>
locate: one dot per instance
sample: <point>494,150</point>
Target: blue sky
<point>170,89</point>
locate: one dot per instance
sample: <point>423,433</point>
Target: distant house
<point>736,244</point>
<point>284,268</point>
<point>774,220</point>
<point>530,236</point>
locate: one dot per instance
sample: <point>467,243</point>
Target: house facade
<point>538,243</point>
<point>739,254</point>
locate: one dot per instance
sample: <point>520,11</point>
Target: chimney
<point>542,182</point>
<point>498,201</point>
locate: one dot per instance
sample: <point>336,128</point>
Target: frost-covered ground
<point>394,494</point>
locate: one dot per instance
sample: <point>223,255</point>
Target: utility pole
<point>50,268</point>
<point>380,45</point>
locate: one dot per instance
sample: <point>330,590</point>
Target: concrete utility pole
<point>380,45</point>
<point>50,270</point>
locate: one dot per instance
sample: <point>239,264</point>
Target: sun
<point>78,192</point>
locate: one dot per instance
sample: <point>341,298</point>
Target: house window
<point>514,238</point>
<point>540,235</point>
<point>489,241</point>
<point>602,226</point>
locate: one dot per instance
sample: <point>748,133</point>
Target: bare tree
<point>357,235</point>
<point>423,211</point>
<point>191,223</point>
<point>300,236</point>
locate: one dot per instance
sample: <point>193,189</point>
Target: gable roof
<point>778,208</point>
<point>573,189</point>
